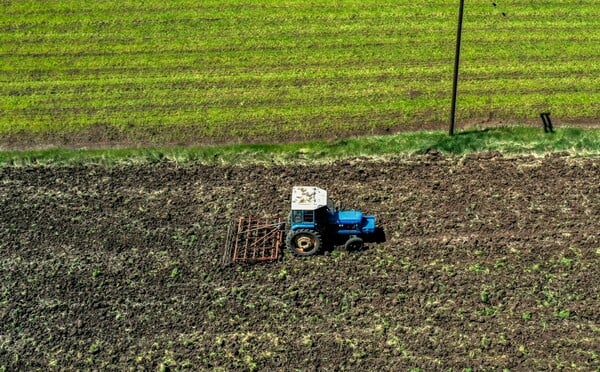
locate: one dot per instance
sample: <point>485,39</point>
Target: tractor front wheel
<point>354,244</point>
<point>303,242</point>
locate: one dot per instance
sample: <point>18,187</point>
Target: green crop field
<point>210,71</point>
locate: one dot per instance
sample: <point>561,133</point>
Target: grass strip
<point>508,140</point>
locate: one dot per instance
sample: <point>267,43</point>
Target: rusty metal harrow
<point>253,240</point>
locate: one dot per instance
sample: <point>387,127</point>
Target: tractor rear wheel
<point>354,244</point>
<point>303,242</point>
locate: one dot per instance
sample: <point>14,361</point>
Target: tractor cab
<point>310,208</point>
<point>314,218</point>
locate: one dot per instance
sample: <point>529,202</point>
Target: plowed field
<point>489,262</point>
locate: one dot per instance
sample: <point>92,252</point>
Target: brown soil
<point>489,263</point>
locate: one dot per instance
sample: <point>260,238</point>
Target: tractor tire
<point>354,244</point>
<point>303,242</point>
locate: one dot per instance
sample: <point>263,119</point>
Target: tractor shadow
<point>339,242</point>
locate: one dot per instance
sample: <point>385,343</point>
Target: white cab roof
<point>308,198</point>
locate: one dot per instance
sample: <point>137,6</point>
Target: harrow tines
<point>253,240</point>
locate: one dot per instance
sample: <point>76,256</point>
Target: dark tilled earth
<point>489,263</point>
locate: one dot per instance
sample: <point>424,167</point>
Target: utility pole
<point>456,63</point>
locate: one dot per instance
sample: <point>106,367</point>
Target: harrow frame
<point>252,239</point>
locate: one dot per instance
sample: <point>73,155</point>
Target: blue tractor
<point>314,220</point>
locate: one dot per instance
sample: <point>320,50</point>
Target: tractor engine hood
<point>349,217</point>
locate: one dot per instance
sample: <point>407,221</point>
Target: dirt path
<point>489,262</point>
